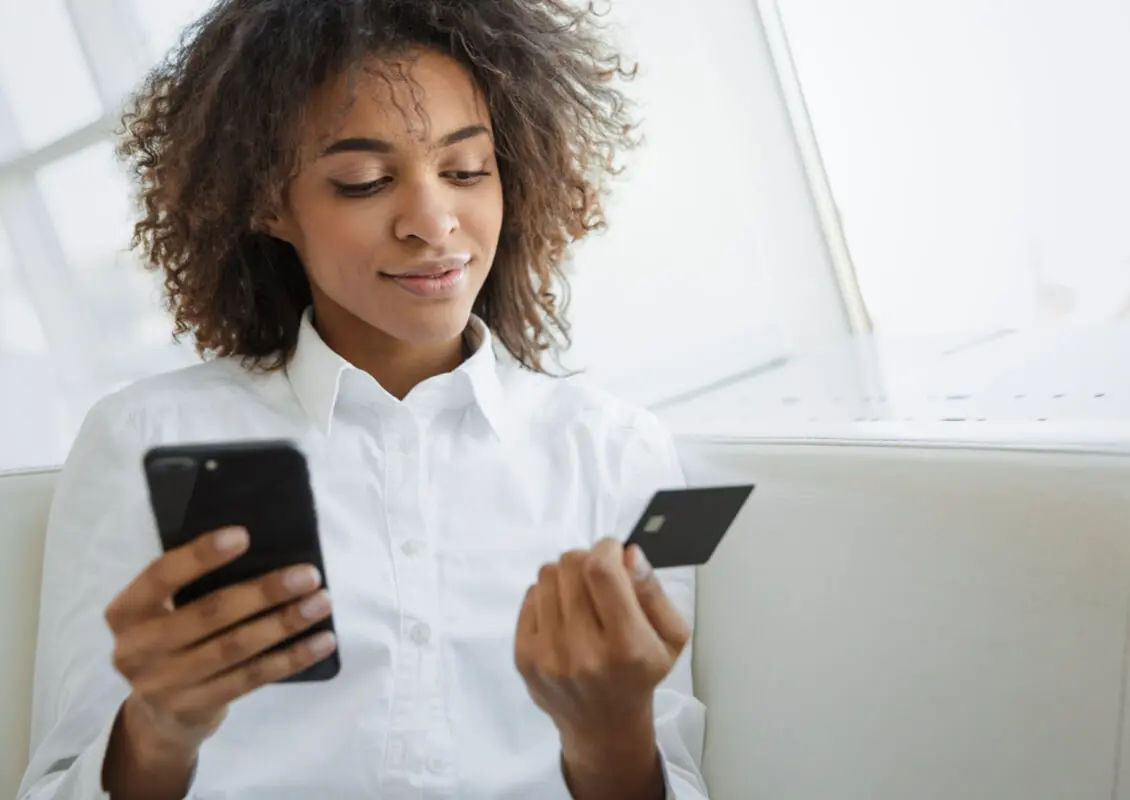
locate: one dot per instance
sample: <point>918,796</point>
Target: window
<point>30,415</point>
<point>970,163</point>
<point>713,263</point>
<point>162,22</point>
<point>78,317</point>
<point>120,300</point>
<point>20,329</point>
<point>977,153</point>
<point>42,73</point>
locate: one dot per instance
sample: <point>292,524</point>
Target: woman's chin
<point>427,326</point>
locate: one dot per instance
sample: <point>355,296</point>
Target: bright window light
<point>43,73</point>
<point>20,330</point>
<point>163,21</point>
<point>978,155</point>
<point>93,225</point>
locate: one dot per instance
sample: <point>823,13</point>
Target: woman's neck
<point>398,366</point>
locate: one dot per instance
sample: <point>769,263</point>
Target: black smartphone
<point>263,486</point>
<point>683,527</point>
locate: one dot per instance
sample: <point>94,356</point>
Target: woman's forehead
<point>416,97</point>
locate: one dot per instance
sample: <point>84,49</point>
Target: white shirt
<point>435,514</point>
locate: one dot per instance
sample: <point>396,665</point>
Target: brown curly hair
<point>212,140</point>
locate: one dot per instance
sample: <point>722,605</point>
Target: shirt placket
<point>417,756</point>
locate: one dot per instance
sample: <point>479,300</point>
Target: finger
<point>577,609</point>
<point>525,636</point>
<point>611,589</point>
<point>548,602</point>
<point>213,613</point>
<point>239,645</point>
<point>148,594</point>
<point>528,615</point>
<point>657,607</point>
<point>232,685</point>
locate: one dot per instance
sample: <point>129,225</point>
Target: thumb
<point>663,616</point>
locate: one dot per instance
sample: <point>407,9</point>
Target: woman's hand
<point>185,665</point>
<point>596,635</point>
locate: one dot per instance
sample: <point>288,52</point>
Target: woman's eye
<point>361,189</point>
<point>466,178</point>
<point>459,178</point>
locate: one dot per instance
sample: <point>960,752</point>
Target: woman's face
<point>397,207</point>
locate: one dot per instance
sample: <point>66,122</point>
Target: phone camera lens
<point>174,465</point>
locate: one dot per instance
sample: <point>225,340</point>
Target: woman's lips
<point>433,285</point>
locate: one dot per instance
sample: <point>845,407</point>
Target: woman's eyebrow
<point>361,144</point>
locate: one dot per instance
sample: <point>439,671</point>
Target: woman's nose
<point>426,214</point>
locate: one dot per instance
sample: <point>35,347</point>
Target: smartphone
<point>263,486</point>
<point>683,527</point>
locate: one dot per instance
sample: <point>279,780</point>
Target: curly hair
<point>212,140</point>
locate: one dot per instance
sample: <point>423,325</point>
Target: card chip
<point>654,524</point>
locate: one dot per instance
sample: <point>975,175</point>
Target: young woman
<point>360,208</point>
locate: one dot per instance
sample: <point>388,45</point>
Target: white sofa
<point>883,623</point>
<point>25,498</point>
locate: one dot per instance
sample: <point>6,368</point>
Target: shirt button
<point>413,547</point>
<point>421,633</point>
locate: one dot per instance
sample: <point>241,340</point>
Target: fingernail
<point>231,539</point>
<point>315,607</point>
<point>641,567</point>
<point>301,579</point>
<point>322,644</point>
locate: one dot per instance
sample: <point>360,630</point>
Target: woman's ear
<point>273,224</point>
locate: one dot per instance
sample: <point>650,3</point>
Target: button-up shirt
<point>435,513</point>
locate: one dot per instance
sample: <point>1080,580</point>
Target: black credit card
<point>683,527</point>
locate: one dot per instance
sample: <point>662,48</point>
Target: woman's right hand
<point>185,665</point>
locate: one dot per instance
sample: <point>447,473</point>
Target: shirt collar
<point>316,375</point>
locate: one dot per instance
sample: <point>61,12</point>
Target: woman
<point>355,203</point>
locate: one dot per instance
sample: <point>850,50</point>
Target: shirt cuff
<point>81,778</point>
<point>668,789</point>
<point>675,786</point>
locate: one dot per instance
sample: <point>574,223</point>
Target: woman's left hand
<point>596,635</point>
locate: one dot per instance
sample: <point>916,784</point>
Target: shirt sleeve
<point>649,463</point>
<point>100,535</point>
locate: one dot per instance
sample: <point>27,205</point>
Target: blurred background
<point>846,216</point>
